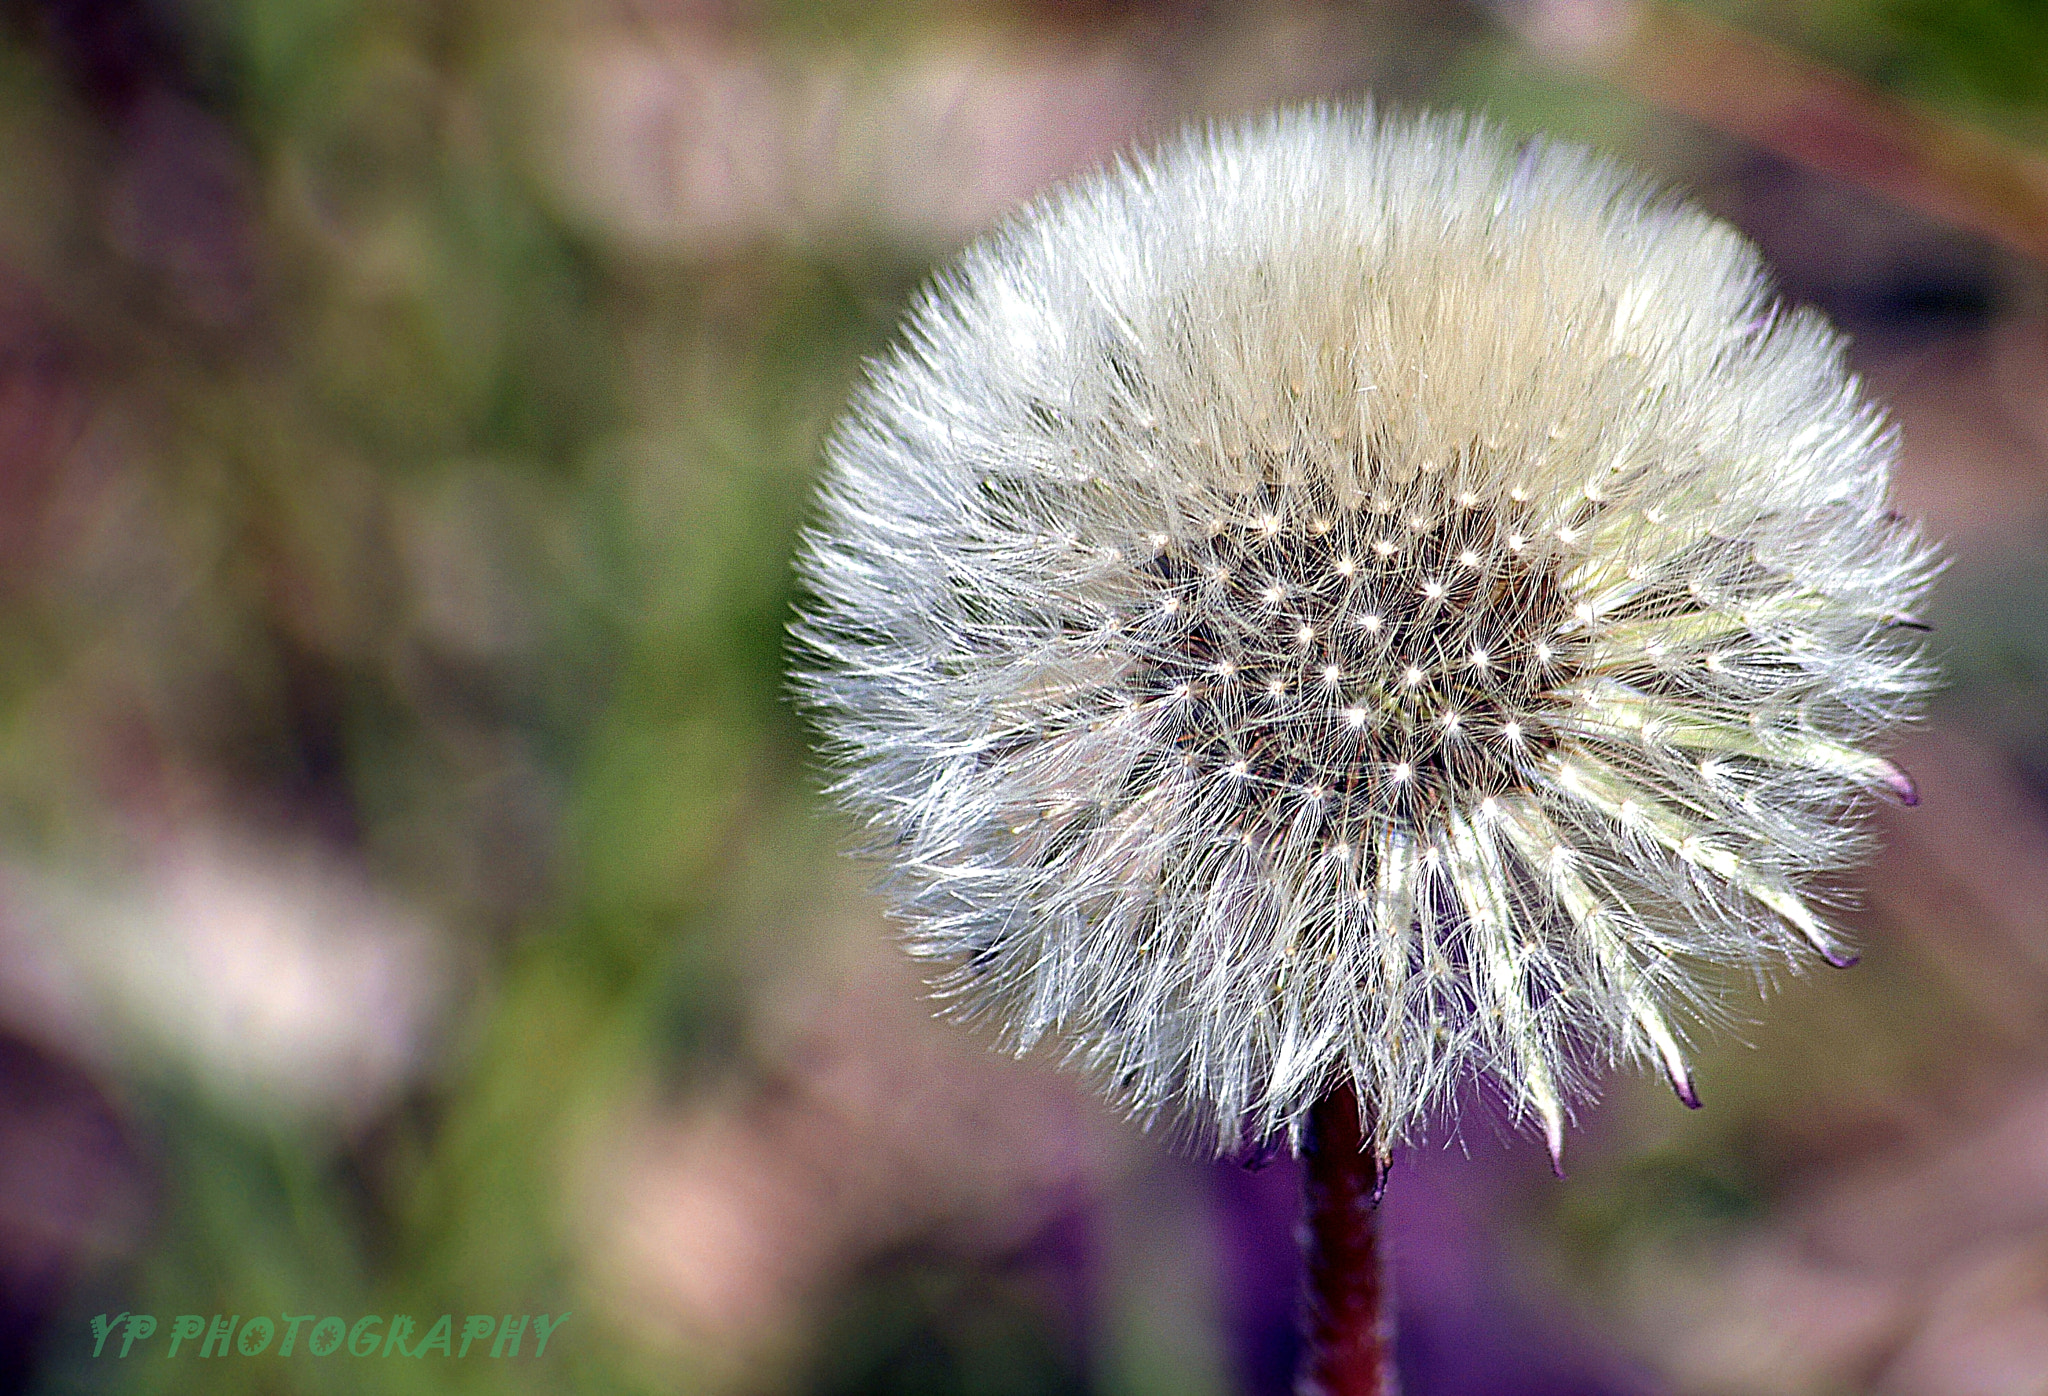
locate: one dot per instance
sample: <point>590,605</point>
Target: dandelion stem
<point>1347,1316</point>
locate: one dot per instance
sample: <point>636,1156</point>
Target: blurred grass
<point>463,514</point>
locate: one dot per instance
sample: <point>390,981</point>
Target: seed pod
<point>1343,599</point>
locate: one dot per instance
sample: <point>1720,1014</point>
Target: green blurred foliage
<point>1985,60</point>
<point>477,534</point>
<point>1980,52</point>
<point>914,1329</point>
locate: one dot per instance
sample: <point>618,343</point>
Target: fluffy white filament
<point>1344,597</point>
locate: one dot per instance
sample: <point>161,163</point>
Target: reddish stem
<point>1347,1316</point>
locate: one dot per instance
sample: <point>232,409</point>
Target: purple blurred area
<point>1469,1323</point>
<point>414,892</point>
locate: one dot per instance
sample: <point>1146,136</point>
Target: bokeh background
<point>415,893</point>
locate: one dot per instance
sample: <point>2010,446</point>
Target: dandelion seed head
<point>1338,482</point>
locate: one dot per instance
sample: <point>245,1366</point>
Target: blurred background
<point>415,895</point>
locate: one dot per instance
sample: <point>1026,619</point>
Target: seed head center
<point>1320,675</point>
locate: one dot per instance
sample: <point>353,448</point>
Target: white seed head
<point>1232,507</point>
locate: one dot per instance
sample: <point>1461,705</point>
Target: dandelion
<point>1346,605</point>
